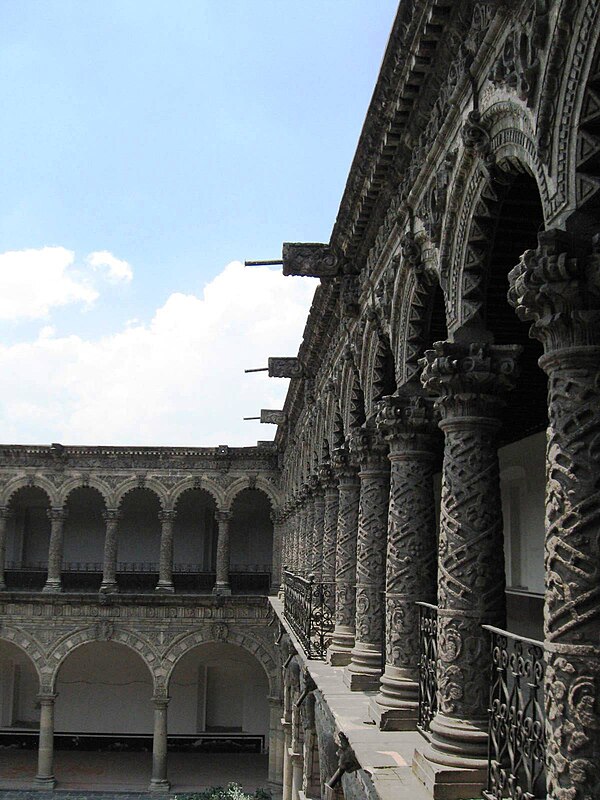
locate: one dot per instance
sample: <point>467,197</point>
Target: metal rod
<point>260,369</point>
<point>277,262</point>
<point>251,417</point>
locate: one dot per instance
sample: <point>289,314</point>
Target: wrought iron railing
<point>517,739</point>
<point>428,616</point>
<point>309,611</point>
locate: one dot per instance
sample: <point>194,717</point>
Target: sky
<point>150,146</point>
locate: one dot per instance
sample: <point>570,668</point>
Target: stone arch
<point>255,482</point>
<point>151,484</point>
<point>87,483</point>
<point>377,367</point>
<point>220,632</point>
<point>31,481</point>
<point>31,647</point>
<point>203,484</point>
<point>103,630</point>
<point>352,404</point>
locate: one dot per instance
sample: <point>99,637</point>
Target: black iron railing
<point>517,739</point>
<point>309,611</point>
<point>428,615</point>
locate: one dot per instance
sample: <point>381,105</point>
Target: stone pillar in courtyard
<point>278,520</point>
<point>346,471</point>
<point>560,295</point>
<point>330,518</point>
<point>109,575</point>
<point>159,781</point>
<point>317,528</point>
<point>408,425</point>
<point>365,666</point>
<point>165,567</point>
<point>5,516</point>
<point>45,769</point>
<point>275,770</point>
<point>301,532</point>
<point>287,759</point>
<point>309,522</point>
<point>57,517</point>
<point>222,580</point>
<point>471,381</point>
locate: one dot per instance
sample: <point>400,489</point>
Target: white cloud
<point>34,281</point>
<point>177,380</point>
<point>116,269</point>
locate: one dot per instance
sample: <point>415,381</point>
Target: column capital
<point>6,512</point>
<point>278,517</point>
<point>401,416</point>
<point>57,514</point>
<point>469,379</point>
<point>46,698</point>
<point>222,516</point>
<point>343,463</point>
<point>166,515</point>
<point>368,448</point>
<point>327,477</point>
<point>314,485</point>
<point>558,292</point>
<point>111,515</point>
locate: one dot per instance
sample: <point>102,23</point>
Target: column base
<point>222,590</point>
<point>393,719</point>
<point>108,587</point>
<point>159,786</point>
<point>448,783</point>
<point>52,587</point>
<point>360,681</point>
<point>339,653</point>
<point>364,670</point>
<point>166,587</point>
<point>45,783</point>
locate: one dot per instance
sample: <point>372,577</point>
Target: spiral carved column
<point>560,295</point>
<point>57,517</point>
<point>414,440</point>
<point>470,381</point>
<point>365,666</point>
<point>317,537</point>
<point>345,581</point>
<point>330,519</point>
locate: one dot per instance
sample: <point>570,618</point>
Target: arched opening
<point>251,541</point>
<point>138,540</point>
<point>103,708</point>
<point>83,539</point>
<point>221,691</point>
<point>28,539</point>
<point>194,541</point>
<point>522,438</point>
<point>436,328</point>
<point>19,713</point>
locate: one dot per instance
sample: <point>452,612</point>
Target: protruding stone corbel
<point>272,416</point>
<point>285,367</point>
<point>347,761</point>
<point>310,259</point>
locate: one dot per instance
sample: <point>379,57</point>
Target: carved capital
<point>343,463</point>
<point>57,514</point>
<point>368,447</point>
<point>558,293</point>
<point>222,516</point>
<point>405,415</point>
<point>6,513</point>
<point>166,516</point>
<point>326,476</point>
<point>470,380</point>
<point>111,515</point>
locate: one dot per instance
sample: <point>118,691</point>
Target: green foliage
<point>233,792</point>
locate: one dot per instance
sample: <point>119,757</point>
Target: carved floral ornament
<point>396,416</point>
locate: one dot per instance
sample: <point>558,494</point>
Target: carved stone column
<point>330,484</point>
<point>109,576</point>
<point>408,425</point>
<point>159,781</point>
<point>165,568</point>
<point>317,535</point>
<point>309,523</point>
<point>470,381</point>
<point>342,642</point>
<point>45,770</point>
<point>222,586</point>
<point>57,517</point>
<point>561,296</point>
<point>278,520</point>
<point>287,759</point>
<point>364,669</point>
<point>275,770</point>
<point>5,516</point>
<point>301,549</point>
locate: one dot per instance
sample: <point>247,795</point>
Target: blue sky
<point>176,137</point>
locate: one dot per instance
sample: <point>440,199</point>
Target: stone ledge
<point>385,757</point>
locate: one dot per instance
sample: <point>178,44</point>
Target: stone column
<point>109,577</point>
<point>560,295</point>
<point>470,381</point>
<point>301,534</point>
<point>317,531</point>
<point>45,771</point>
<point>278,520</point>
<point>57,516</point>
<point>287,759</point>
<point>165,568</point>
<point>275,771</point>
<point>5,516</point>
<point>407,424</point>
<point>297,771</point>
<point>330,519</point>
<point>159,781</point>
<point>309,524</point>
<point>342,643</point>
<point>222,586</point>
<point>365,666</point>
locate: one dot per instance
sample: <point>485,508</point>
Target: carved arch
<point>91,483</point>
<point>151,484</point>
<point>265,486</point>
<point>221,632</point>
<point>103,630</point>
<point>189,484</point>
<point>31,481</point>
<point>28,645</point>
